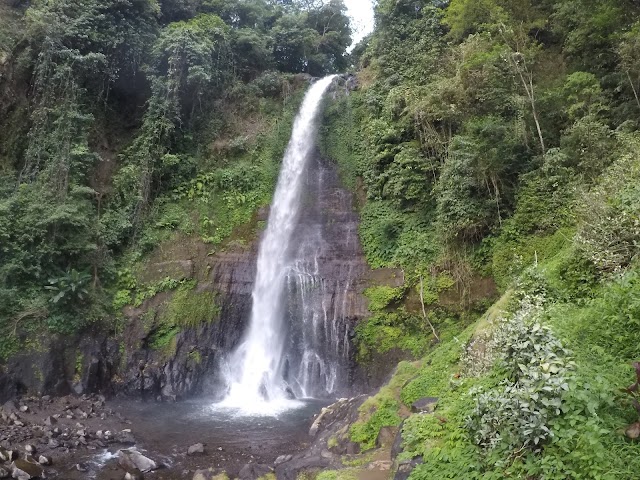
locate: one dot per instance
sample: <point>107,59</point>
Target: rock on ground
<point>195,449</point>
<point>253,471</point>
<point>131,460</point>
<point>23,470</point>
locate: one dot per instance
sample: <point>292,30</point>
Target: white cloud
<point>361,13</point>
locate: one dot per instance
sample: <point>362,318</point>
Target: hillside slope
<point>499,140</point>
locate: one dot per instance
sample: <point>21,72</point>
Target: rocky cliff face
<point>190,363</point>
<point>336,274</point>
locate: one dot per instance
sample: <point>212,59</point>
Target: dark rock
<point>424,405</point>
<point>330,427</point>
<point>289,393</point>
<point>289,470</point>
<point>131,459</point>
<point>8,386</point>
<point>23,470</point>
<point>406,467</point>
<point>386,436</point>
<point>253,471</point>
<point>195,449</point>
<point>396,448</point>
<point>352,448</point>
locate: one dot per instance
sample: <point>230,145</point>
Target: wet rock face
<point>324,301</point>
<point>194,361</point>
<point>331,269</point>
<point>63,365</point>
<point>324,297</point>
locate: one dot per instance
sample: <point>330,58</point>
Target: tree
<point>629,59</point>
<point>521,54</point>
<point>477,180</point>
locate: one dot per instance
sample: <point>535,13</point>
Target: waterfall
<point>260,375</point>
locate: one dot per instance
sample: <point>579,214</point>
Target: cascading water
<point>275,363</point>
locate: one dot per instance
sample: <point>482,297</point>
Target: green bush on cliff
<point>386,414</point>
<point>187,308</point>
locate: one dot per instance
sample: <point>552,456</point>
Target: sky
<point>361,13</point>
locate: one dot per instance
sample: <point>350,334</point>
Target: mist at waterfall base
<point>291,350</point>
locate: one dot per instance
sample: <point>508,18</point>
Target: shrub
<point>536,370</point>
<point>366,433</point>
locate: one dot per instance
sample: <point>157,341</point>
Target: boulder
<point>4,473</point>
<point>195,449</point>
<point>23,470</point>
<point>253,471</point>
<point>313,431</point>
<point>30,449</point>
<point>424,405</point>
<point>44,460</point>
<point>130,460</point>
<point>406,467</point>
<point>352,448</point>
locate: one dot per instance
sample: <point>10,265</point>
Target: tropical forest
<point>320,239</point>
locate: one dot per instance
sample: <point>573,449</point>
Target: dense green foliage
<point>130,133</point>
<point>487,141</point>
<point>500,139</point>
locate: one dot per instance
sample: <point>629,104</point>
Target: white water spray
<point>254,375</point>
